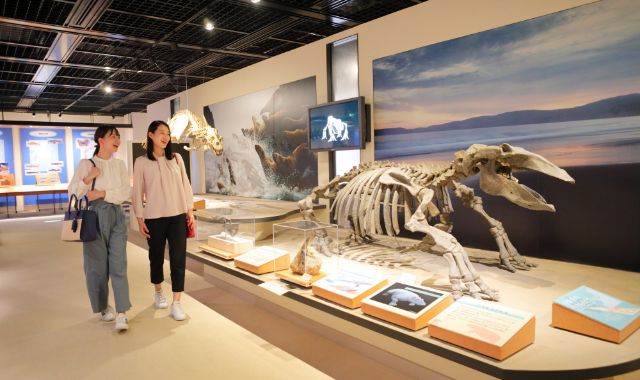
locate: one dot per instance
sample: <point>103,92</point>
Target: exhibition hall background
<point>425,24</point>
<point>575,233</point>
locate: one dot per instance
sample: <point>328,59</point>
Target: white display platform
<point>348,288</point>
<point>555,354</point>
<point>262,260</point>
<point>232,244</point>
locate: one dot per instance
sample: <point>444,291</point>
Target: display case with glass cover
<point>225,232</point>
<point>313,250</point>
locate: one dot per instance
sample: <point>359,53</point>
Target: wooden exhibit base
<point>566,319</point>
<point>409,306</point>
<point>233,244</point>
<point>590,312</point>
<point>302,280</point>
<point>263,260</point>
<point>219,252</point>
<point>486,327</point>
<point>199,204</point>
<point>344,291</point>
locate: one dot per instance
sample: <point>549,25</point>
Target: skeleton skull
<point>496,164</point>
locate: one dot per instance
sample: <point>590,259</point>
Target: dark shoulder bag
<point>89,226</point>
<point>80,223</point>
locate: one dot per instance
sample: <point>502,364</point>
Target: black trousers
<point>174,229</point>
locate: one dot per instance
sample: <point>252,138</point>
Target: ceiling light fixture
<point>255,1</point>
<point>107,68</point>
<point>208,25</point>
<point>108,89</point>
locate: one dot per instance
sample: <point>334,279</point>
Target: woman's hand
<point>93,173</point>
<point>96,194</point>
<point>142,227</point>
<point>190,219</point>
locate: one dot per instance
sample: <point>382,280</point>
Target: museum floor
<point>47,330</point>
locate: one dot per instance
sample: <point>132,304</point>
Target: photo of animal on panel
<point>565,86</point>
<point>406,297</point>
<point>265,144</point>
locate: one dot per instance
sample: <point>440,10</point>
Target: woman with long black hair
<point>105,181</point>
<point>160,179</point>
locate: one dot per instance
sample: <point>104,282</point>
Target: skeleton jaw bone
<point>496,164</point>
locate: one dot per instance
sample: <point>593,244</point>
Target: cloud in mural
<point>546,84</point>
<point>561,60</point>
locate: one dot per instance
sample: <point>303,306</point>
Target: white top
<point>113,179</point>
<point>163,184</point>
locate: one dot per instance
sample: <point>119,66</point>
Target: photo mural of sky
<point>574,71</point>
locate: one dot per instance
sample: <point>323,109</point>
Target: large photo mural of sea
<point>265,144</point>
<point>564,85</point>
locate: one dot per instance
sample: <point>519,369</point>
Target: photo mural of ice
<point>564,85</point>
<point>265,144</point>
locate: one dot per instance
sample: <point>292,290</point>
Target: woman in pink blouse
<point>160,180</point>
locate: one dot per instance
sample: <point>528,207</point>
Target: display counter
<point>23,190</point>
<point>262,212</point>
<point>555,353</point>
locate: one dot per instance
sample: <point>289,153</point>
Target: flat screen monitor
<point>337,125</point>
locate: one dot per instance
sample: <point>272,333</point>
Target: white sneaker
<point>121,322</point>
<point>176,311</point>
<point>107,314</point>
<point>160,301</point>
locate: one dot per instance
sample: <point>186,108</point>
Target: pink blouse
<point>163,184</point>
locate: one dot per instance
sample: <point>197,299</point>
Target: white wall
<point>139,124</point>
<point>424,24</point>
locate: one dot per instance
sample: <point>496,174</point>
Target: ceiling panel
<point>45,11</point>
<point>159,39</point>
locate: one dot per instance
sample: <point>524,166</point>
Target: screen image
<point>338,125</point>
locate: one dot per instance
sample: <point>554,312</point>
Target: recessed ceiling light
<point>208,25</point>
<point>107,68</point>
<point>107,89</point>
<point>255,1</point>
